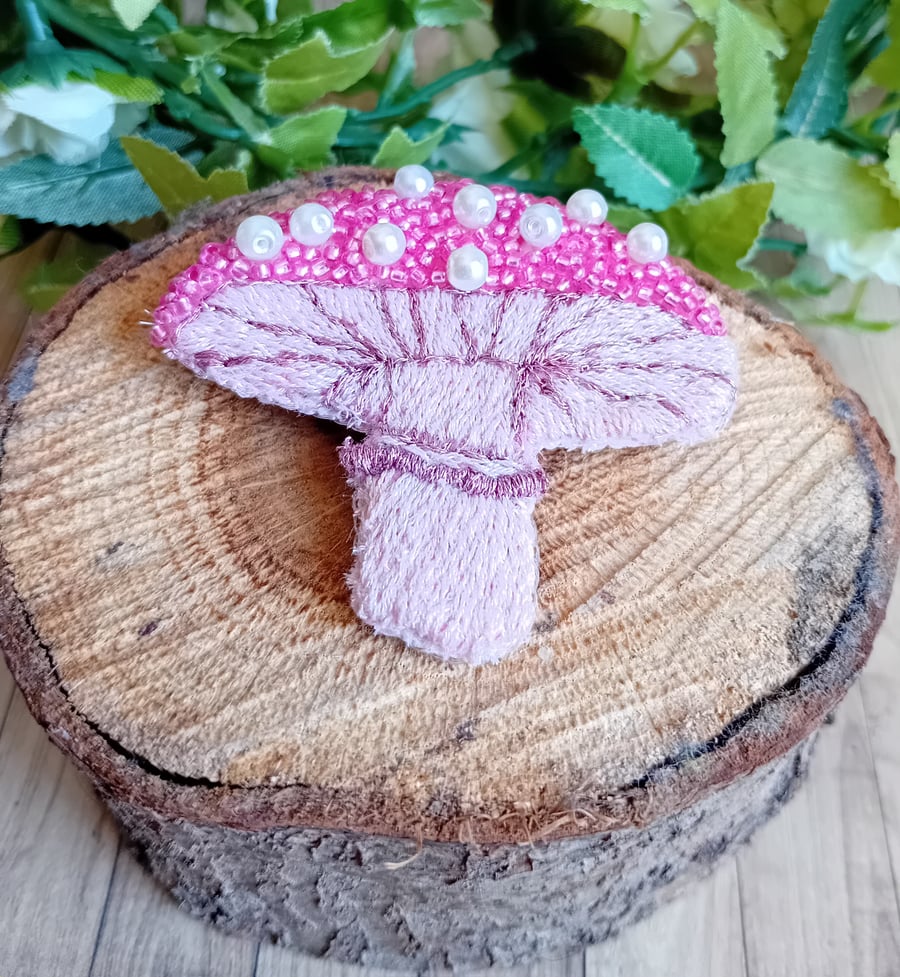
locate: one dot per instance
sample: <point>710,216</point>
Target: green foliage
<point>646,158</point>
<point>446,13</point>
<point>765,26</point>
<point>819,99</point>
<point>746,84</point>
<point>50,282</point>
<point>399,150</point>
<point>313,69</point>
<point>625,217</point>
<point>638,7</point>
<point>326,52</point>
<point>307,139</point>
<point>707,10</point>
<point>133,13</point>
<point>562,94</point>
<point>717,231</point>
<point>893,162</point>
<point>106,190</point>
<point>795,17</point>
<point>128,88</point>
<point>885,69</point>
<point>823,189</point>
<point>175,182</point>
<point>10,234</point>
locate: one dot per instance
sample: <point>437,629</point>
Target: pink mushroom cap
<point>588,259</point>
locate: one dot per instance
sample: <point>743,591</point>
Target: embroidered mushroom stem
<point>457,385</point>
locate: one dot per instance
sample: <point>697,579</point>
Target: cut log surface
<point>175,609</point>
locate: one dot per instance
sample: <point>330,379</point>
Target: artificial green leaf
<point>49,63</point>
<point>717,231</point>
<point>45,60</point>
<point>199,116</point>
<point>766,27</point>
<point>10,234</point>
<point>797,20</point>
<point>328,51</point>
<point>646,158</point>
<point>399,82</point>
<point>707,10</point>
<point>50,282</point>
<point>225,156</point>
<point>576,171</point>
<point>399,150</point>
<point>313,69</point>
<point>242,52</point>
<point>307,139</point>
<point>746,85</point>
<point>535,104</point>
<point>818,101</point>
<point>446,13</point>
<point>794,16</point>
<point>176,183</point>
<point>355,23</point>
<point>286,8</point>
<point>231,15</point>
<point>133,13</point>
<point>195,44</point>
<point>885,69</point>
<point>128,88</point>
<point>821,188</point>
<point>624,218</point>
<point>640,7</point>
<point>892,166</point>
<point>104,190</point>
<point>235,108</point>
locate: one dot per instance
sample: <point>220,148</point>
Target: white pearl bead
<point>384,244</point>
<point>474,206</point>
<point>259,237</point>
<point>541,225</point>
<point>467,268</point>
<point>312,224</point>
<point>646,243</point>
<point>413,181</point>
<point>587,207</point>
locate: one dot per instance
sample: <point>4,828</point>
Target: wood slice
<point>175,610</point>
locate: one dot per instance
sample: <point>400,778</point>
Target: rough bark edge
<point>384,902</point>
<point>767,729</point>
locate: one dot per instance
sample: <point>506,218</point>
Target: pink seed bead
<point>589,259</point>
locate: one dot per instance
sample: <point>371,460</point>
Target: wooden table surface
<point>815,894</point>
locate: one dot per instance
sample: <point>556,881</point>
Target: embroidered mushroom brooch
<point>462,329</point>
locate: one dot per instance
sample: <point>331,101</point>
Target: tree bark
<point>173,604</point>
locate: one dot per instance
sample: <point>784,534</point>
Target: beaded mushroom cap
<point>462,329</point>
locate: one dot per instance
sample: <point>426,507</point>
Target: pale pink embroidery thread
<point>572,346</point>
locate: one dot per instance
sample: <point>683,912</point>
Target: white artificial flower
<point>479,104</point>
<point>72,123</point>
<point>866,256</point>
<point>662,25</point>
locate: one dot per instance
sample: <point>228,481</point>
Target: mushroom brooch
<point>462,329</point>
